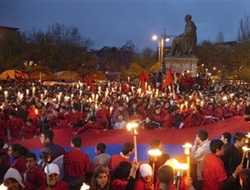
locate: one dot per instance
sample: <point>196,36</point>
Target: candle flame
<point>132,126</point>
<point>85,187</point>
<point>154,152</point>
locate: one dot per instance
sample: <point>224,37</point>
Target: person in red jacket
<point>197,118</point>
<point>226,112</point>
<point>53,182</point>
<point>116,159</point>
<point>3,127</point>
<point>103,116</point>
<point>14,126</point>
<point>34,174</point>
<point>29,129</point>
<point>18,153</point>
<point>4,159</point>
<point>76,165</point>
<point>75,117</point>
<point>145,182</point>
<point>214,172</point>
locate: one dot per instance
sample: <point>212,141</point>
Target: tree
<point>244,29</point>
<point>60,47</point>
<point>220,37</point>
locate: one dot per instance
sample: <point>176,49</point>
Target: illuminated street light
<point>161,45</point>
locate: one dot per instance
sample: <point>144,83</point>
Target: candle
<point>128,79</point>
<point>3,187</point>
<point>187,147</point>
<point>245,149</point>
<point>33,90</point>
<point>85,187</point>
<point>27,91</point>
<point>36,111</point>
<point>5,94</point>
<point>133,128</point>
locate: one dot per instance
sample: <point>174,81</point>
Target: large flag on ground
<point>168,79</point>
<point>143,76</point>
<point>90,84</point>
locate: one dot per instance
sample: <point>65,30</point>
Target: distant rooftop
<point>8,28</point>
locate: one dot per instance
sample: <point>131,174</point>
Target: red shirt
<point>76,163</point>
<point>15,126</point>
<point>140,184</point>
<point>75,117</point>
<point>115,160</point>
<point>36,177</point>
<point>214,173</point>
<point>20,164</point>
<point>118,184</point>
<point>3,126</point>
<point>60,185</point>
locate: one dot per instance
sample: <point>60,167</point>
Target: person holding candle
<point>214,173</point>
<point>233,157</point>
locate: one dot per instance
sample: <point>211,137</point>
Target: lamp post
<point>161,45</point>
<point>133,128</point>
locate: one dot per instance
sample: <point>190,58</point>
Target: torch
<point>133,128</point>
<point>187,147</point>
<point>154,153</point>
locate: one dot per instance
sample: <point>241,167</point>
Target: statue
<point>185,44</point>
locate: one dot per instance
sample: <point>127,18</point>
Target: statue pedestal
<point>181,64</point>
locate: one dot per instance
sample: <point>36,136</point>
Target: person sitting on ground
<point>102,159</point>
<point>100,179</point>
<point>92,124</point>
<point>29,129</point>
<point>34,174</point>
<point>120,123</point>
<point>53,182</point>
<point>14,126</point>
<point>127,150</point>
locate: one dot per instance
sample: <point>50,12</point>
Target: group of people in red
<point>69,106</point>
<point>219,165</point>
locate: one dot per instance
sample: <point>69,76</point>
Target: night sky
<point>113,22</point>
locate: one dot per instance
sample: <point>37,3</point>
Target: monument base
<point>181,64</point>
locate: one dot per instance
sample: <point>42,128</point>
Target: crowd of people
<point>220,165</point>
<point>29,108</point>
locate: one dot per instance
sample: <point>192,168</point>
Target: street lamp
<point>161,45</point>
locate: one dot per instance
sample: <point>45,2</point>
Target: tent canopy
<point>43,75</point>
<point>13,74</point>
<point>97,76</point>
<point>67,75</point>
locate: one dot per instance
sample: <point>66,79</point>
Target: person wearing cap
<point>14,125</point>
<point>29,129</point>
<point>53,182</point>
<point>145,182</point>
<point>13,180</point>
<point>76,165</point>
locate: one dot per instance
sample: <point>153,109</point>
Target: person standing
<point>214,173</point>
<point>233,156</point>
<point>102,159</point>
<point>76,165</point>
<point>226,139</point>
<point>199,151</point>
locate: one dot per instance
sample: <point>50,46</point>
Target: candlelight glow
<point>187,147</point>
<point>132,126</point>
<point>2,187</point>
<point>85,187</point>
<point>245,148</point>
<point>224,98</point>
<point>154,152</point>
<point>248,135</point>
<point>172,162</point>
